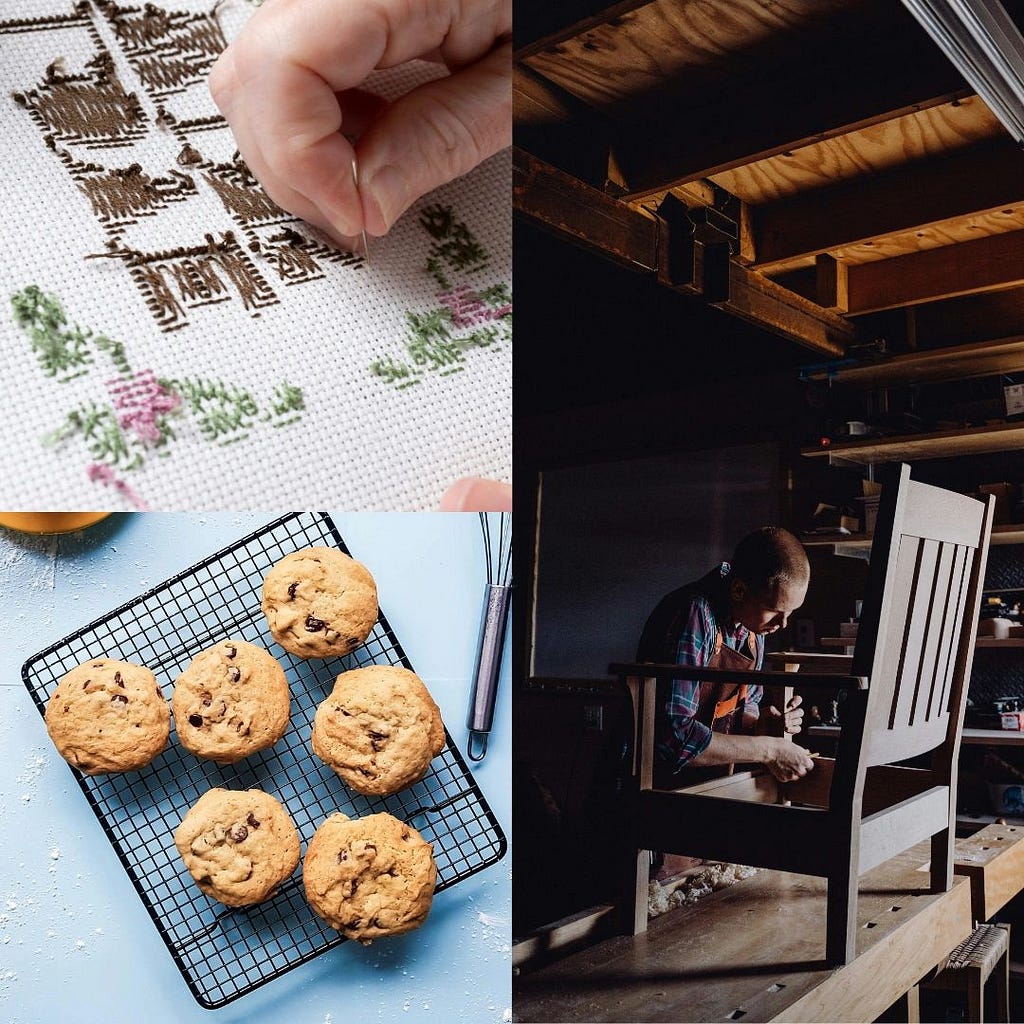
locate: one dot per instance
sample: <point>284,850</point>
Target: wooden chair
<point>905,697</point>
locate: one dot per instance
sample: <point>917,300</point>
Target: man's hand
<point>786,760</point>
<point>289,88</point>
<point>794,714</point>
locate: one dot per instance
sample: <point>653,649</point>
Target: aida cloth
<point>174,340</point>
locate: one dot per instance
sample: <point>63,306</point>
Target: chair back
<point>916,637</point>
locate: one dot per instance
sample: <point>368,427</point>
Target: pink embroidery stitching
<point>141,401</point>
<point>98,473</point>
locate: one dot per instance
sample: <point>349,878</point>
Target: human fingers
<point>472,494</point>
<point>433,134</point>
<point>794,702</point>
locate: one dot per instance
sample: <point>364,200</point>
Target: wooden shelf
<point>1004,355</point>
<point>1007,533</point>
<point>944,444</point>
<point>991,641</point>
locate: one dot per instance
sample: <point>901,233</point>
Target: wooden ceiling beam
<point>985,264</point>
<point>986,177</point>
<point>895,72</point>
<point>544,24</point>
<point>586,216</point>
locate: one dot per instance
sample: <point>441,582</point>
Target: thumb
<point>432,134</point>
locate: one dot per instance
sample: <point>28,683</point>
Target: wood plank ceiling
<point>861,172</point>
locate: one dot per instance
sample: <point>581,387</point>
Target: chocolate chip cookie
<point>231,701</point>
<point>108,716</point>
<point>379,729</point>
<point>369,877</point>
<point>238,846</point>
<point>319,602</point>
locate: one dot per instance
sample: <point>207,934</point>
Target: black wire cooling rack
<point>224,952</point>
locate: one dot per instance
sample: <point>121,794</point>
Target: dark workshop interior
<point>771,252</point>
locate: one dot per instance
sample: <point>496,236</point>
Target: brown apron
<point>719,706</point>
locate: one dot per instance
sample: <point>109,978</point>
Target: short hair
<point>769,558</point>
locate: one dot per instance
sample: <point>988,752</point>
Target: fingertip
<point>386,196</point>
<point>473,494</point>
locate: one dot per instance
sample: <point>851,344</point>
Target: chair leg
<point>942,861</point>
<point>634,904</point>
<point>975,995</point>
<point>1002,983</point>
<point>841,917</point>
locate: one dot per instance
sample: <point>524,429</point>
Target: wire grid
<point>225,952</point>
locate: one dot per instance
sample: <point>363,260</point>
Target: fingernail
<point>390,191</point>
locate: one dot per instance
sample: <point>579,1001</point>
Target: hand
<point>794,714</point>
<point>472,494</point>
<point>289,87</point>
<point>786,760</point>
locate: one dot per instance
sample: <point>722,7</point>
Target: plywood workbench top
<point>753,952</point>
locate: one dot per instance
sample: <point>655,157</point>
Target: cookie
<point>319,603</point>
<point>231,701</point>
<point>379,729</point>
<point>108,716</point>
<point>238,846</point>
<point>369,877</point>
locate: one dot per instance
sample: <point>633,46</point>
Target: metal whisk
<point>497,534</point>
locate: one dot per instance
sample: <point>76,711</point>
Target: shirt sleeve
<point>680,737</point>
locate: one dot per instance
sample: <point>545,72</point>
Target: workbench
<point>754,952</point>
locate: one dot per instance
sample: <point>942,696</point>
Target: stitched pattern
<point>170,53</point>
<point>135,420</point>
<point>438,340</point>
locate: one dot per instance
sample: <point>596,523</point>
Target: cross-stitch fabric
<point>174,340</point>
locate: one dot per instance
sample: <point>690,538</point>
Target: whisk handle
<point>488,659</point>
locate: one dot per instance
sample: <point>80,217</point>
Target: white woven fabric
<point>385,422</point>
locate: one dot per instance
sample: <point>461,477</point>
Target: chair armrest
<point>804,680</point>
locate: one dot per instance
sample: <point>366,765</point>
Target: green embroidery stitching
<point>437,340</point>
<point>136,421</point>
<point>454,244</point>
<point>102,434</point>
<point>60,348</point>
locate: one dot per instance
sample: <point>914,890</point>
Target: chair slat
<point>935,636</point>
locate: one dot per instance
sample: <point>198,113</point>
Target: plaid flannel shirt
<point>680,736</point>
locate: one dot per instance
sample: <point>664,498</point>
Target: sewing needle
<point>355,181</point>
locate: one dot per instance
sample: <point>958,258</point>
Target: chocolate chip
<point>352,641</point>
<point>207,698</point>
<point>120,697</point>
<point>370,846</point>
<point>342,856</point>
<point>347,714</point>
<point>314,625</point>
<point>406,835</point>
<point>377,740</point>
<point>232,650</point>
<point>253,823</point>
<point>196,720</point>
<point>292,589</point>
<point>375,923</point>
<point>234,673</point>
<point>118,680</point>
<point>239,833</point>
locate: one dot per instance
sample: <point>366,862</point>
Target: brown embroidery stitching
<point>294,256</point>
<point>169,50</point>
<point>120,196</point>
<point>184,278</point>
<point>91,108</point>
<point>242,195</point>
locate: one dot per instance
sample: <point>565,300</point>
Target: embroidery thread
<point>136,418</point>
<point>439,339</point>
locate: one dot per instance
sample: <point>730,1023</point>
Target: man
<point>720,621</point>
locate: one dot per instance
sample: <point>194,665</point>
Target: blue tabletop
<point>76,943</point>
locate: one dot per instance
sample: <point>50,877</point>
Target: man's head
<point>769,578</point>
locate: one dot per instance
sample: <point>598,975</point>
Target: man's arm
<point>786,760</point>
